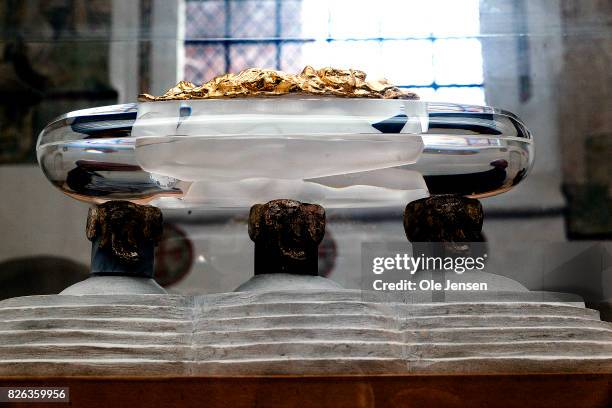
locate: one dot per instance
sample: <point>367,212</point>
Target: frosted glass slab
<point>338,152</point>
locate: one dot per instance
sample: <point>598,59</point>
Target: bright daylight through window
<point>429,46</point>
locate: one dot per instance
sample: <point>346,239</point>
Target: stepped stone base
<point>306,332</point>
<point>115,285</point>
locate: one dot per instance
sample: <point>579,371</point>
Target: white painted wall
<point>37,219</point>
<point>167,50</point>
<point>124,49</point>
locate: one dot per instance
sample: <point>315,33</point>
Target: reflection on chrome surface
<point>337,152</point>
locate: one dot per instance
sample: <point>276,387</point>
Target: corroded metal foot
<point>450,221</point>
<point>123,237</point>
<point>444,218</point>
<point>287,234</point>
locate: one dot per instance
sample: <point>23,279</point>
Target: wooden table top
<point>585,390</point>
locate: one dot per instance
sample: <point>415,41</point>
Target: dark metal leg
<point>123,238</point>
<point>443,226</point>
<point>287,234</point>
<point>448,222</point>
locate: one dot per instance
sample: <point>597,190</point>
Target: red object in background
<point>173,256</point>
<point>327,255</point>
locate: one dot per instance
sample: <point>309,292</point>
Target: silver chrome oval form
<point>339,152</point>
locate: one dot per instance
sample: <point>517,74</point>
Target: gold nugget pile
<point>347,83</point>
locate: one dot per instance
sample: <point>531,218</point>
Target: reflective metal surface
<point>338,152</point>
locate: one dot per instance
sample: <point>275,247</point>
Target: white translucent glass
<point>338,152</point>
<point>350,19</point>
<point>315,19</point>
<point>317,53</point>
<point>390,18</point>
<point>407,62</point>
<point>467,95</point>
<point>454,18</point>
<point>405,19</point>
<point>458,61</point>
